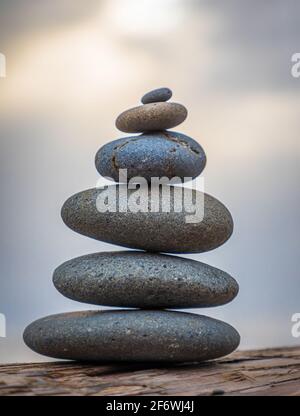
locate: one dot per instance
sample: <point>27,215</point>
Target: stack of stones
<point>145,281</point>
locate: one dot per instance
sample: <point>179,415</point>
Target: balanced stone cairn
<point>145,280</point>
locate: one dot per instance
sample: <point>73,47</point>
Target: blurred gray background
<point>74,65</point>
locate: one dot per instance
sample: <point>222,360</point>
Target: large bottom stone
<point>131,336</point>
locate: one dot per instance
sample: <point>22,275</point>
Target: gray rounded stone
<point>151,117</point>
<point>157,95</point>
<point>170,231</point>
<point>164,153</point>
<point>131,336</point>
<point>143,280</point>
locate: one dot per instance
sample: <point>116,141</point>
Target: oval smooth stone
<point>151,117</point>
<point>143,280</point>
<point>157,95</point>
<point>164,153</point>
<point>173,232</point>
<point>131,336</point>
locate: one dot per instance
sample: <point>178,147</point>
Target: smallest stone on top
<point>157,96</point>
<point>155,115</point>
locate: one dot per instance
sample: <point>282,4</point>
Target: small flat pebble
<point>151,117</point>
<point>131,336</point>
<point>157,95</point>
<point>143,280</point>
<point>162,154</point>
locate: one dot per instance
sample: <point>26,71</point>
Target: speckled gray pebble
<point>173,232</point>
<point>164,153</point>
<point>157,95</point>
<point>151,117</point>
<point>131,336</point>
<point>143,280</point>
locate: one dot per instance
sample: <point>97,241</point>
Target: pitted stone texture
<point>143,280</point>
<point>151,117</point>
<point>131,336</point>
<point>151,231</point>
<point>160,154</point>
<point>157,95</point>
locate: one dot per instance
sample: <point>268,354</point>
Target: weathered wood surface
<point>261,372</point>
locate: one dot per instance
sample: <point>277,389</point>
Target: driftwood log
<point>259,372</point>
